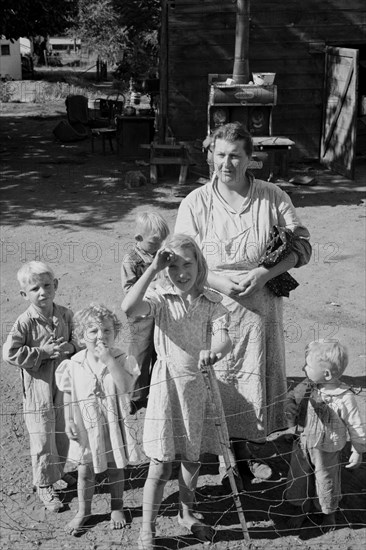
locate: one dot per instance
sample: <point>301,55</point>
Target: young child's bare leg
<point>159,474</point>
<point>188,477</point>
<point>296,519</point>
<point>116,486</point>
<point>86,485</point>
<point>328,523</point>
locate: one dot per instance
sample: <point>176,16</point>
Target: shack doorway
<point>343,139</point>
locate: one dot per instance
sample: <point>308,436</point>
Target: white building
<point>64,44</point>
<point>10,59</point>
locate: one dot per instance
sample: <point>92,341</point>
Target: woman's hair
<point>31,269</point>
<point>330,351</point>
<point>151,221</point>
<point>231,132</point>
<point>179,240</point>
<point>96,313</point>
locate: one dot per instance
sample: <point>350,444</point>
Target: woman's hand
<point>254,281</point>
<point>208,357</point>
<point>230,286</point>
<point>71,430</point>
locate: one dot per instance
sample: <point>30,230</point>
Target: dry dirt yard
<point>64,205</point>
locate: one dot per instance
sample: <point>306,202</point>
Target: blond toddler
<point>326,414</point>
<point>96,383</point>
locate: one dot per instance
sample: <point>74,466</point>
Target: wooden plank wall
<point>287,38</point>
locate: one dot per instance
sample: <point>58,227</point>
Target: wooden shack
<point>317,50</point>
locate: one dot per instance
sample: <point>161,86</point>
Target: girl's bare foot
<point>328,523</point>
<point>200,530</point>
<point>75,527</point>
<point>197,515</point>
<point>118,519</point>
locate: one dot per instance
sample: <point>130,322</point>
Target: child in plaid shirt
<point>151,231</point>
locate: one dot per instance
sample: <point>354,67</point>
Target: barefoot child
<point>150,232</point>
<point>39,340</point>
<point>96,383</point>
<point>190,330</point>
<point>326,414</point>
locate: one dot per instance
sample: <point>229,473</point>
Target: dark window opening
<point>5,49</point>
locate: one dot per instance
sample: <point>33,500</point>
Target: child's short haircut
<point>331,351</point>
<point>94,313</point>
<point>179,240</point>
<point>152,221</point>
<point>31,269</point>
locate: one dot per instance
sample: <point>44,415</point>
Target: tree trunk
<point>241,73</point>
<point>163,74</point>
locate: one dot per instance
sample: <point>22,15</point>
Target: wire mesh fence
<point>25,523</point>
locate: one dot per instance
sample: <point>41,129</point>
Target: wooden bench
<point>275,145</point>
<point>168,155</point>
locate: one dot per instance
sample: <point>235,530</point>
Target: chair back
<point>77,109</point>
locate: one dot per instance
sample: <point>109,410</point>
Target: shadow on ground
<point>67,185</point>
<point>264,506</point>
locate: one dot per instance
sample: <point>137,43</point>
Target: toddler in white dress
<point>96,382</point>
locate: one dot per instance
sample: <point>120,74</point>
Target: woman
<point>231,219</point>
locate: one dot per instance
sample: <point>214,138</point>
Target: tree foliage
<point>139,15</point>
<point>99,27</point>
<point>30,18</point>
<point>120,31</point>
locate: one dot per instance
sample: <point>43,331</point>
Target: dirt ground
<point>69,207</point>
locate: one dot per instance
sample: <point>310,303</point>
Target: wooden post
<point>98,68</point>
<point>163,73</point>
<point>223,436</point>
<point>241,55</point>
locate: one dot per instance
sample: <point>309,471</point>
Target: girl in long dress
<point>190,332</point>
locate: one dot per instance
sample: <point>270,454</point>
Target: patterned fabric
<point>278,248</point>
<point>140,329</point>
<point>134,264</point>
<point>100,412</point>
<point>179,416</point>
<point>252,378</point>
